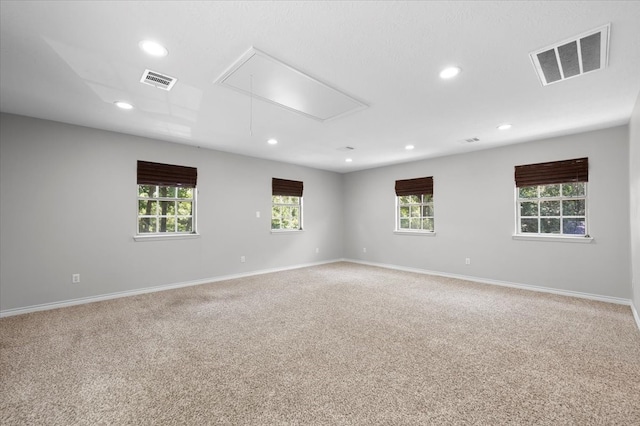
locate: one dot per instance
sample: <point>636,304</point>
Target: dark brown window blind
<point>417,186</point>
<point>290,188</point>
<point>576,170</point>
<point>166,174</point>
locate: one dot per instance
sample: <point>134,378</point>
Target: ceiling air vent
<point>572,57</point>
<point>155,79</point>
<point>470,140</point>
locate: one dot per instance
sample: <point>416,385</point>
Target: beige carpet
<point>337,344</point>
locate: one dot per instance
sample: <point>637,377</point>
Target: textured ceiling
<point>69,61</point>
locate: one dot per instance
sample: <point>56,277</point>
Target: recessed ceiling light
<point>348,160</point>
<point>409,147</point>
<point>272,141</point>
<point>449,72</point>
<point>505,126</point>
<point>153,48</point>
<point>123,105</point>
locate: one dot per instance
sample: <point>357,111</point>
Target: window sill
<point>420,233</point>
<point>157,237</point>
<point>286,231</point>
<point>554,238</point>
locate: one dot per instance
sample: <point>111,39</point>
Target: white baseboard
<point>600,298</point>
<point>635,315</point>
<point>109,296</point>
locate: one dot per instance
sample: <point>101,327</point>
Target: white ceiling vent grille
<point>470,140</point>
<point>155,79</point>
<point>573,57</point>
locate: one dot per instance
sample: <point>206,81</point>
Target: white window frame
<point>408,231</point>
<point>148,236</point>
<point>561,236</point>
<point>299,205</point>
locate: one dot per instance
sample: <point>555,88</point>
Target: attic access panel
<point>265,77</point>
<point>573,57</point>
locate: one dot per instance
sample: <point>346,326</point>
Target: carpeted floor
<point>337,344</point>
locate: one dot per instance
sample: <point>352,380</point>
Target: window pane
<point>185,192</point>
<point>404,211</point>
<point>147,191</point>
<point>529,225</point>
<point>427,210</point>
<point>167,208</point>
<point>416,223</point>
<point>184,208</point>
<point>427,224</point>
<point>550,226</point>
<point>147,224</point>
<point>167,191</point>
<point>550,208</point>
<point>573,189</point>
<point>185,224</point>
<point>563,215</point>
<point>404,223</point>
<point>573,226</point>
<point>147,208</point>
<point>528,192</point>
<point>550,190</point>
<point>573,208</point>
<point>415,211</point>
<point>286,212</point>
<point>529,208</point>
<point>427,198</point>
<point>169,223</point>
<point>414,199</point>
<point>404,199</point>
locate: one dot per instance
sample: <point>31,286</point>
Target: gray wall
<point>634,179</point>
<point>475,217</point>
<point>68,205</point>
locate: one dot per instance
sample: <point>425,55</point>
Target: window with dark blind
<point>552,198</point>
<point>417,186</point>
<point>286,205</point>
<point>166,199</point>
<point>166,174</point>
<point>576,170</point>
<point>414,205</point>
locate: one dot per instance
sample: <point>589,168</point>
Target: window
<point>286,205</point>
<point>414,205</point>
<point>552,198</point>
<point>166,199</point>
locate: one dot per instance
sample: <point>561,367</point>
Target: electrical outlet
<point>242,259</point>
<point>364,249</point>
<point>317,250</point>
<point>258,215</point>
<point>75,278</point>
<point>467,261</point>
